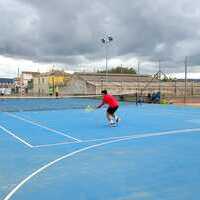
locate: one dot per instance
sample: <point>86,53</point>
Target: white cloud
<point>9,66</point>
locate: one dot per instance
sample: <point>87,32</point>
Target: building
<point>40,85</point>
<point>7,86</point>
<point>93,83</point>
<point>49,83</point>
<point>26,82</point>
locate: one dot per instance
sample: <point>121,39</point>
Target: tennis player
<point>113,105</point>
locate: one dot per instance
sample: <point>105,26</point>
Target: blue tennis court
<point>153,153</point>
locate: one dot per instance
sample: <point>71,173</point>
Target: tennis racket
<point>89,108</point>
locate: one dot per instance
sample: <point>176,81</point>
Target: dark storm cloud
<point>70,31</point>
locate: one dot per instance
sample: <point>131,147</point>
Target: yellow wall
<point>56,80</point>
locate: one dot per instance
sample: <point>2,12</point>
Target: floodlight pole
<point>185,92</point>
<point>138,79</point>
<point>106,40</point>
<point>106,62</point>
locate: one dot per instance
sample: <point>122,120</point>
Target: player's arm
<point>100,105</point>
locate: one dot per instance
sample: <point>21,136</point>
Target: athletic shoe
<point>117,119</point>
<point>112,123</point>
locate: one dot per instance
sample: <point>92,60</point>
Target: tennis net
<point>38,104</point>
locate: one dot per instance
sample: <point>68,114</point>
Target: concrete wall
<point>40,86</point>
<point>74,86</point>
<point>79,86</point>
<point>90,88</point>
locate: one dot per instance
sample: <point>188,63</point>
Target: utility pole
<point>138,78</point>
<point>138,67</point>
<point>121,81</point>
<point>138,84</point>
<point>18,73</point>
<point>159,75</point>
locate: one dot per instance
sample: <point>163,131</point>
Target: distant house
<point>25,82</point>
<point>6,86</point>
<point>49,83</point>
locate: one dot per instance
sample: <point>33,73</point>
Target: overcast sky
<point>37,34</point>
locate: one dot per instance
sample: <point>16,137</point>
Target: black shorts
<point>111,110</point>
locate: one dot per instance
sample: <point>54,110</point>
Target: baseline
<point>16,137</point>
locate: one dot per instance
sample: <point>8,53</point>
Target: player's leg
<point>110,117</point>
<point>117,119</point>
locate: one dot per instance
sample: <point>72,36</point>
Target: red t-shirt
<point>110,100</point>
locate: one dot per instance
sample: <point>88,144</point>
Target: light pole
<point>186,71</point>
<point>107,40</point>
<point>138,79</point>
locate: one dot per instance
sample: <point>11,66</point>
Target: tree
<point>119,70</point>
<point>165,79</point>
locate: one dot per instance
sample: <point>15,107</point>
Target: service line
<point>133,136</point>
<point>42,126</point>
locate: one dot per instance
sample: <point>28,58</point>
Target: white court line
<point>44,127</point>
<point>16,137</point>
<point>10,194</point>
<point>83,141</point>
<point>122,137</point>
